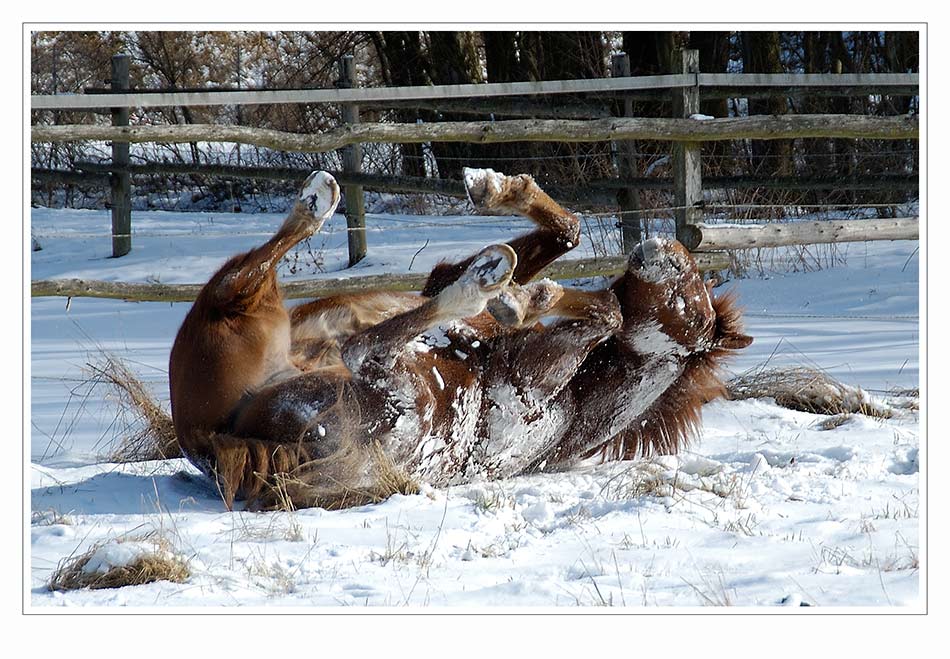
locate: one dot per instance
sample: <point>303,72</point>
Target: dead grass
<point>835,560</point>
<point>835,421</point>
<point>713,590</point>
<point>390,478</point>
<point>159,564</point>
<point>650,478</point>
<point>905,399</point>
<point>806,390</point>
<point>148,432</point>
<point>50,517</point>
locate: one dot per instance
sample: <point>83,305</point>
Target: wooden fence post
<point>120,182</point>
<point>355,212</point>
<point>628,198</point>
<point>687,172</point>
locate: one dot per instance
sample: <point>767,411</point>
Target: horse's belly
<point>306,408</point>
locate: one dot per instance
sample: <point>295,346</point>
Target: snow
<point>438,378</point>
<point>113,555</point>
<point>764,509</point>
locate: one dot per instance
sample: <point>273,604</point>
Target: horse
<point>486,374</point>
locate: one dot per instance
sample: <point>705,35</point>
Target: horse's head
<point>672,319</point>
<point>664,284</point>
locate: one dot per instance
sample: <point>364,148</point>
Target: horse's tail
<point>270,475</point>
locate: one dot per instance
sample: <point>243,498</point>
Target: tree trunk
<point>651,53</point>
<point>565,56</point>
<point>713,50</point>
<point>453,60</point>
<point>501,57</point>
<point>762,54</point>
<point>403,64</point>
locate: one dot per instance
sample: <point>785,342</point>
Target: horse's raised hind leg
<point>243,280</point>
<point>557,232</point>
<point>236,336</point>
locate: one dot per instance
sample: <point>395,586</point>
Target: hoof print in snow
<point>793,600</point>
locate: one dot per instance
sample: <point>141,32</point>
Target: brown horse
<point>458,384</point>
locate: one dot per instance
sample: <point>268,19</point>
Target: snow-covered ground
<point>765,509</point>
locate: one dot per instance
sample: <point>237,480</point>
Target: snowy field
<point>766,509</point>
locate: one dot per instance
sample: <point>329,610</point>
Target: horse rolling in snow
<point>460,383</point>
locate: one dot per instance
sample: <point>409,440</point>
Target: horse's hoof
<point>647,252</point>
<point>320,194</point>
<point>517,306</point>
<point>491,190</point>
<point>482,185</point>
<point>492,268</point>
<point>509,307</point>
<point>488,273</point>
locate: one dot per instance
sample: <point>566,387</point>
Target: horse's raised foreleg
<point>400,390</point>
<point>486,274</point>
<point>319,328</point>
<point>557,232</point>
<point>528,405</point>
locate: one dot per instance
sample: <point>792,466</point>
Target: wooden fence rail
<point>760,127</point>
<point>706,238</point>
<point>597,191</point>
<point>314,288</point>
<point>873,81</point>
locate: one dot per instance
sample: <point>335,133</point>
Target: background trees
<point>70,62</point>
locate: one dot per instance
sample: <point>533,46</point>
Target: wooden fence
<point>686,130</point>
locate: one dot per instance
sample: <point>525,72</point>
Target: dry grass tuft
<point>805,390</point>
<point>157,562</point>
<point>390,478</point>
<point>50,517</point>
<point>713,591</point>
<point>905,399</point>
<point>836,421</point>
<point>149,431</point>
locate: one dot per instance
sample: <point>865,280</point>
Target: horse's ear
<point>735,341</point>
